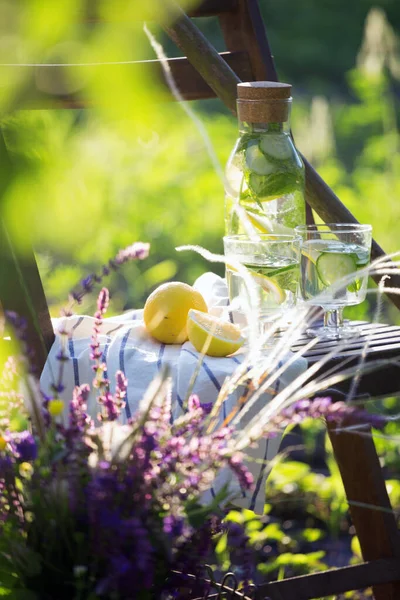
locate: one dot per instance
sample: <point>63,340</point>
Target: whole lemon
<point>166,310</point>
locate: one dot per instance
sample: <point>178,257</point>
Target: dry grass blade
<point>159,51</point>
<point>197,370</point>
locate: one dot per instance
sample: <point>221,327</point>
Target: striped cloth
<point>127,347</point>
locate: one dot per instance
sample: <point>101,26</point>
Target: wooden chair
<point>203,73</point>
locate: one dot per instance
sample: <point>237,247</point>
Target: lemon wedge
<point>277,294</point>
<point>262,224</point>
<point>270,286</point>
<point>265,225</point>
<point>210,335</point>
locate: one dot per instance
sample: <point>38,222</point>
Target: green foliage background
<point>136,166</point>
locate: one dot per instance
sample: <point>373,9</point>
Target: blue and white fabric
<point>126,346</point>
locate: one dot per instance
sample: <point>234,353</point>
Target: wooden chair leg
<point>21,289</point>
<point>365,488</point>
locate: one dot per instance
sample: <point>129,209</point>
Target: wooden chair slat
<point>383,347</point>
<point>377,343</point>
<point>190,83</point>
<point>308,587</point>
<point>385,352</point>
<point>371,333</point>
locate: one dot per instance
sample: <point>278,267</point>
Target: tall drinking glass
<point>332,272</point>
<point>269,283</point>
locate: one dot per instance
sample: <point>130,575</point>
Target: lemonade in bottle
<point>264,177</point>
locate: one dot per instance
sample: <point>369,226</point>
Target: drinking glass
<point>269,284</point>
<point>332,272</point>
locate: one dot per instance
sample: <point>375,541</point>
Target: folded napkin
<point>127,347</point>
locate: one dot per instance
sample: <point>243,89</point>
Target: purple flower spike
<point>120,391</point>
<point>243,475</point>
<point>138,250</point>
<point>110,408</point>
<point>78,419</point>
<point>207,407</point>
<point>24,446</point>
<point>323,408</point>
<point>194,402</point>
<point>173,525</point>
<point>103,301</point>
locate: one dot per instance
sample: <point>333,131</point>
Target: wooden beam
<point>243,29</point>
<point>205,8</point>
<point>203,56</point>
<point>211,8</point>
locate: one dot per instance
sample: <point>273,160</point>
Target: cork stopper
<point>263,101</point>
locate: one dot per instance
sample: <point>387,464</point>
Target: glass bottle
<point>264,177</point>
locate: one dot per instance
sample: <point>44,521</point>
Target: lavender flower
<point>325,408</point>
<point>24,446</point>
<point>136,251</point>
<point>20,326</point>
<point>122,384</point>
<point>79,421</point>
<point>173,525</point>
<point>243,475</point>
<point>102,305</point>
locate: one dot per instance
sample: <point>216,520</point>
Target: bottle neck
<point>264,127</point>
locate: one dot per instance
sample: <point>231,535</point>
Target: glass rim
<point>243,238</point>
<point>333,228</point>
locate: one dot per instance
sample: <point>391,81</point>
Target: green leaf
<point>356,547</point>
<point>301,562</point>
<point>198,514</point>
<point>235,516</point>
<point>222,544</point>
<point>288,474</point>
<point>312,535</point>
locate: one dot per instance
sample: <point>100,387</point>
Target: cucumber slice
<point>332,266</point>
<point>257,162</point>
<point>276,145</point>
